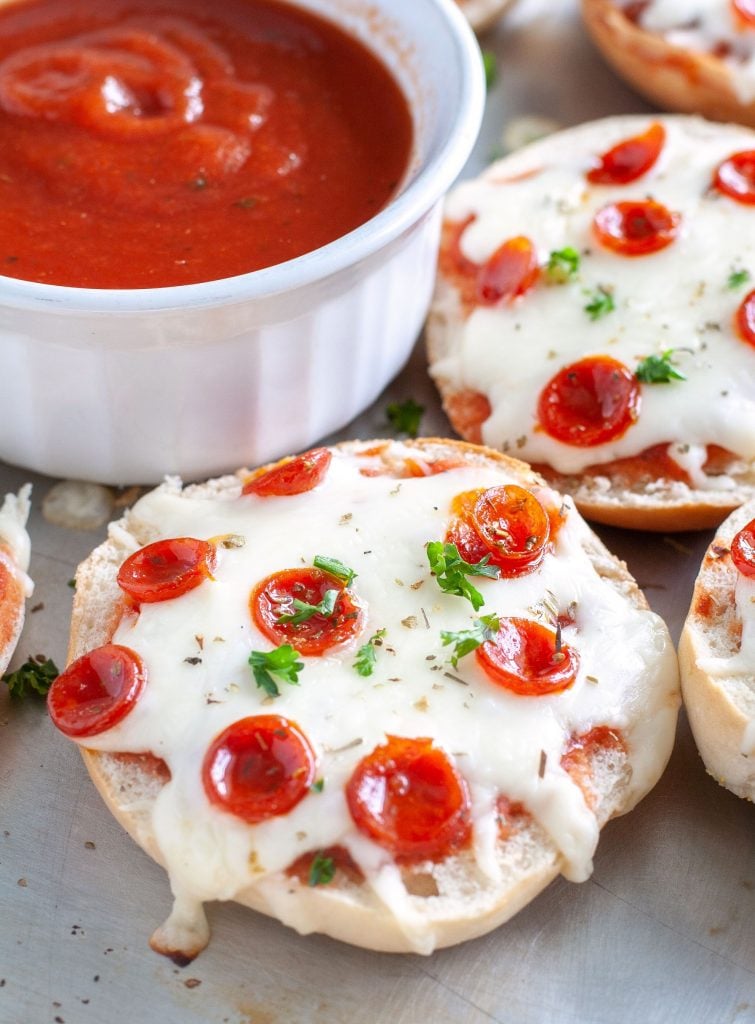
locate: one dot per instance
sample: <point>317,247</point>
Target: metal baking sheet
<point>664,931</point>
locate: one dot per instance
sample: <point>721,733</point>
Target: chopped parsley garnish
<point>562,265</point>
<point>451,572</point>
<point>281,662</point>
<point>303,611</point>
<point>737,278</point>
<point>366,658</point>
<point>35,676</point>
<point>318,785</point>
<point>467,640</point>
<point>600,303</point>
<point>71,583</point>
<point>490,63</point>
<point>335,568</point>
<point>321,870</point>
<point>405,417</point>
<point>658,369</point>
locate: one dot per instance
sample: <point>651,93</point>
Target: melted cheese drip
<point>702,26</point>
<point>741,664</point>
<point>677,298</point>
<point>379,527</point>
<point>14,513</point>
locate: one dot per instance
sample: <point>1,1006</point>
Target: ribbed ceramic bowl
<point>125,386</point>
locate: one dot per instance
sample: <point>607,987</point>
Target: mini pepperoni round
<point>528,658</point>
<point>311,632</point>
<point>96,691</point>
<point>293,476</point>
<point>408,797</point>
<point>744,12</point>
<point>743,550</point>
<point>590,402</point>
<point>744,319</point>
<point>166,569</point>
<point>510,272</point>
<point>461,532</point>
<point>258,768</point>
<point>629,160</point>
<point>513,526</point>
<point>735,177</point>
<point>635,227</point>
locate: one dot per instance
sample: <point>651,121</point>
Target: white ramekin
<point>125,386</point>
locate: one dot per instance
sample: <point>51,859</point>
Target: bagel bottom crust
<point>719,706</point>
<point>449,901</point>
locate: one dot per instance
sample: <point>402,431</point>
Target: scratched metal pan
<point>663,933</point>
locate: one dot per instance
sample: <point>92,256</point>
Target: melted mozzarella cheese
<point>678,298</point>
<point>14,513</point>
<point>378,526</point>
<point>703,26</point>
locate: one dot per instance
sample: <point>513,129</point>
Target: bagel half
<point>686,456</point>
<point>690,81</point>
<point>614,733</point>
<point>717,662</point>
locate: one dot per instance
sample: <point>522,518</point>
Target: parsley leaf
<point>562,265</point>
<point>405,417</point>
<point>737,278</point>
<point>366,659</point>
<point>321,870</point>
<point>658,369</point>
<point>35,676</point>
<point>304,611</point>
<point>490,63</point>
<point>451,571</point>
<point>318,786</point>
<point>600,303</point>
<point>467,640</point>
<point>281,662</point>
<point>335,568</point>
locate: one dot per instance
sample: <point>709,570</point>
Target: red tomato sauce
<point>147,143</point>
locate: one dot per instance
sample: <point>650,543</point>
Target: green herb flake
<point>71,583</point>
<point>366,658</point>
<point>405,417</point>
<point>303,611</point>
<point>562,265</point>
<point>35,676</point>
<point>658,369</point>
<point>451,572</point>
<point>335,568</point>
<point>490,64</point>
<point>281,662</point>
<point>467,640</point>
<point>318,786</point>
<point>321,871</point>
<point>737,278</point>
<point>600,303</point>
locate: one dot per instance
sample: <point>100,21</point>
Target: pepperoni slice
<point>96,691</point>
<point>293,476</point>
<point>744,12</point>
<point>735,177</point>
<point>461,532</point>
<point>629,160</point>
<point>523,658</point>
<point>635,227</point>
<point>274,597</point>
<point>258,768</point>
<point>580,753</point>
<point>510,272</point>
<point>166,569</point>
<point>589,402</point>
<point>744,319</point>
<point>743,550</point>
<point>408,797</point>
<point>513,526</point>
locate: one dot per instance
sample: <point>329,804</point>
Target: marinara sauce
<point>146,143</point>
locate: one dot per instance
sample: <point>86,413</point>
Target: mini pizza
<point>15,584</point>
<point>481,14</point>
<point>595,315</point>
<point>384,691</point>
<point>717,655</point>
<point>697,58</point>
